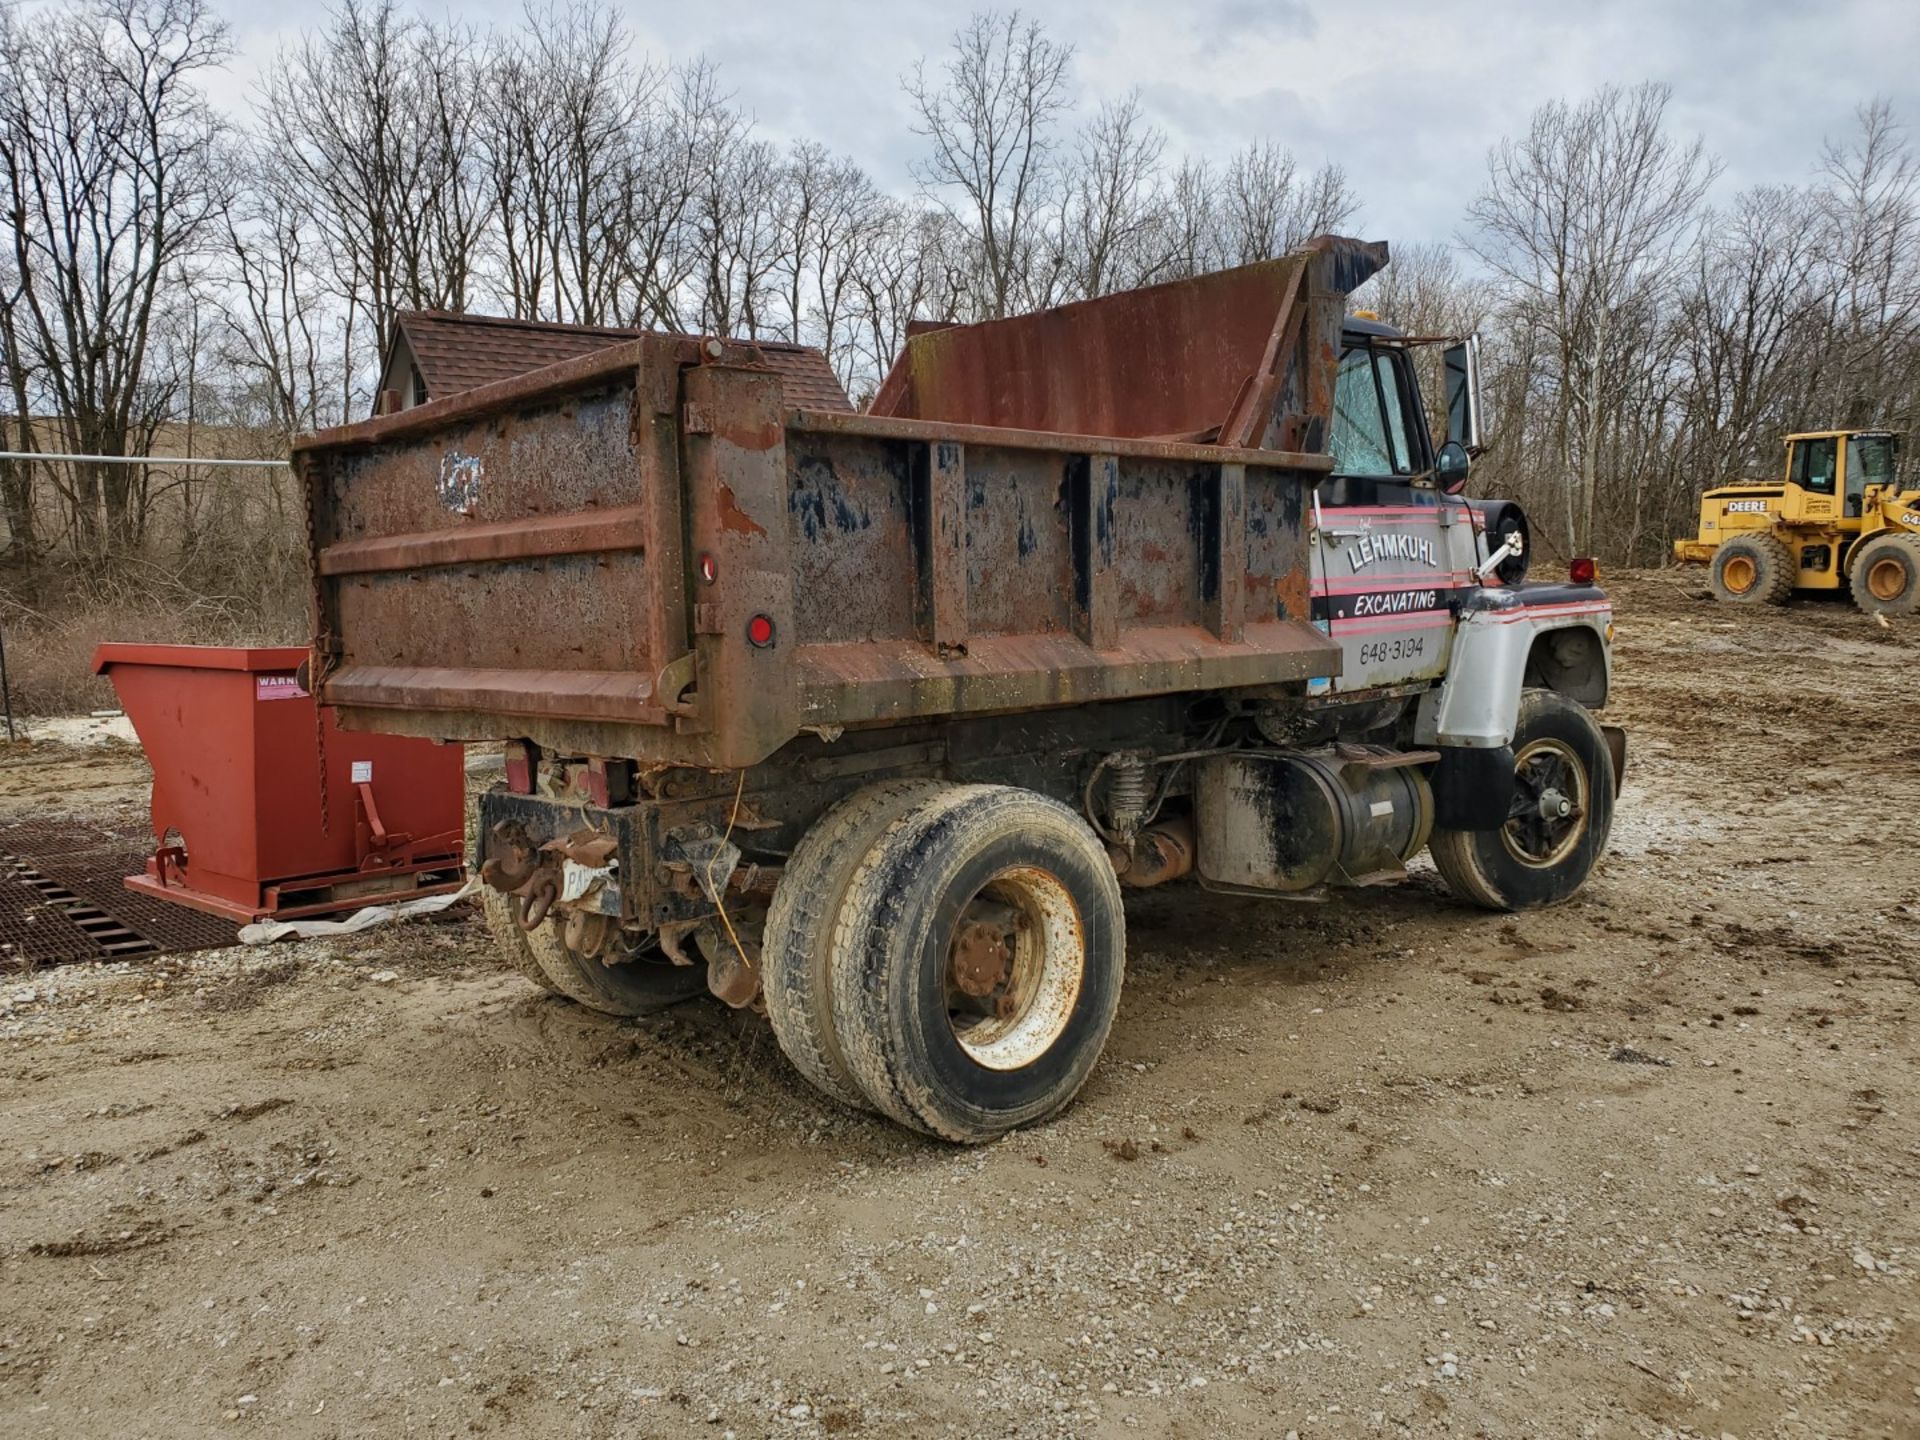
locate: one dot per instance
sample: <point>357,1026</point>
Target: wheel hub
<point>1738,573</point>
<point>1014,968</point>
<point>1549,810</point>
<point>981,960</point>
<point>1886,580</point>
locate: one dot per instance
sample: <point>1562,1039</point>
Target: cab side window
<point>1814,462</point>
<point>1370,417</point>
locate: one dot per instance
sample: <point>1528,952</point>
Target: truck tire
<point>637,986</point>
<point>1886,575</point>
<point>977,962</point>
<point>510,939</point>
<point>1562,811</point>
<point>1752,569</point>
<point>796,946</point>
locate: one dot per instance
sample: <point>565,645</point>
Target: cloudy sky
<point>1406,94</point>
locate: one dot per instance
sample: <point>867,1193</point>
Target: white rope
<point>144,459</point>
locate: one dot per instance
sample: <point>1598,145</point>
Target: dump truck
<point>1839,518</point>
<point>870,720</point>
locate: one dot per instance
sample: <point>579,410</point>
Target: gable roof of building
<point>462,352</point>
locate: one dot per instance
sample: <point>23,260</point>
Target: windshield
<point>1870,460</point>
<point>1370,416</point>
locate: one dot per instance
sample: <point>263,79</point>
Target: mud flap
<point>1616,739</point>
<point>1472,788</point>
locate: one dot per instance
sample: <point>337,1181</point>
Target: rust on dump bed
<point>1238,356</point>
<point>651,552</point>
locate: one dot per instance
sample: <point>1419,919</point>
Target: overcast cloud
<point>1406,94</point>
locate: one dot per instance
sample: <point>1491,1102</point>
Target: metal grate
<point>62,900</point>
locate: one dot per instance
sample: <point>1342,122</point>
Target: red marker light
<point>1583,571</point>
<point>760,631</point>
<point>709,571</point>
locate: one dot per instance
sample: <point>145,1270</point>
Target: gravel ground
<point>1643,1165</point>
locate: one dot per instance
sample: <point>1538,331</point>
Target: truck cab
<point>1424,588</point>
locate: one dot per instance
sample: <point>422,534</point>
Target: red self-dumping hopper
<point>262,806</point>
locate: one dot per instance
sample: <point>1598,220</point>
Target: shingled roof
<point>436,353</point>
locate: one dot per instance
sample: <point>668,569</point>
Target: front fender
<point>1494,658</point>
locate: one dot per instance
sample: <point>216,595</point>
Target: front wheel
<point>1556,827</point>
<point>977,962</point>
<point>1886,575</point>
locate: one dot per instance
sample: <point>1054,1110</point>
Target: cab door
<point>1388,565</point>
<point>1815,492</point>
<point>1853,481</point>
<point>1813,467</point>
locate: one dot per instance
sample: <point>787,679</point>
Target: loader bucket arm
<point>1242,357</point>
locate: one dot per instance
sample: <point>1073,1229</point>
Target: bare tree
<point>562,124</point>
<point>110,163</point>
<point>1582,221</point>
<point>1190,217</point>
<point>281,340</point>
<point>1746,321</point>
<point>1112,234</point>
<point>682,140</point>
<point>16,478</point>
<point>990,119</point>
<point>1267,209</point>
<point>737,236</point>
<point>912,266</point>
<point>1870,205</point>
<point>371,126</point>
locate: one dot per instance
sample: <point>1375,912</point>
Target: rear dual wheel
<point>952,956</point>
<point>624,980</point>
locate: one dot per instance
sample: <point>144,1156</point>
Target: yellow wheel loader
<point>1838,518</point>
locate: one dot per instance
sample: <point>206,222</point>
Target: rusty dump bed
<point>649,552</point>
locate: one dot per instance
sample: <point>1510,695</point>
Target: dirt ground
<point>1646,1165</point>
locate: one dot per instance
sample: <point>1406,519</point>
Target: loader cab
<point>1833,470</point>
<point>1873,462</point>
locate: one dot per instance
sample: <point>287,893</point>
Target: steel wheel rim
<point>1020,1019</point>
<point>1886,579</point>
<point>1552,796</point>
<point>1739,573</point>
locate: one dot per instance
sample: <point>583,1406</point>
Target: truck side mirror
<point>1466,424</point>
<point>1450,468</point>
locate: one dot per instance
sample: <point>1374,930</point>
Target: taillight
<point>1583,571</point>
<point>760,630</point>
<point>709,571</point>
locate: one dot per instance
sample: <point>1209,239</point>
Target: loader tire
<point>977,962</point>
<point>1752,569</point>
<point>1886,575</point>
<point>796,948</point>
<point>639,985</point>
<point>1546,849</point>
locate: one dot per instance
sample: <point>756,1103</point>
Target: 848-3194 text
<point>1380,652</point>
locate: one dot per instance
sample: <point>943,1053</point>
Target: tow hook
<point>539,876</point>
